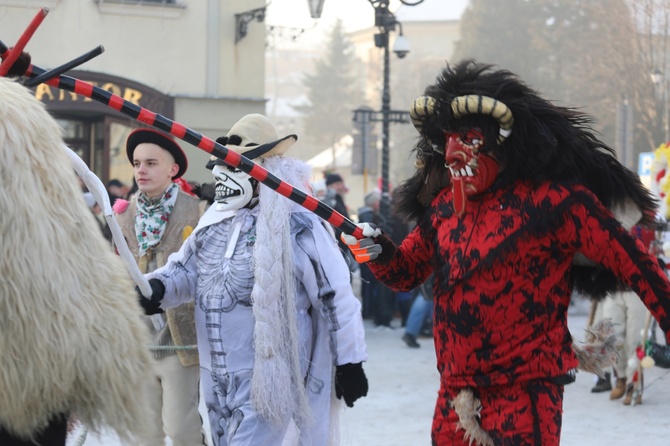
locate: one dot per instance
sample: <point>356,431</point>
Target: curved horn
<point>484,105</point>
<point>421,107</point>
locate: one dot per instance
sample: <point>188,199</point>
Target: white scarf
<point>278,390</point>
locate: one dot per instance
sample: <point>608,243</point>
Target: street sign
<point>644,167</point>
<point>644,163</point>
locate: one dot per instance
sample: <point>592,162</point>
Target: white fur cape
<point>71,336</point>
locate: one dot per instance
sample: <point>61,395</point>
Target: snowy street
<point>403,384</point>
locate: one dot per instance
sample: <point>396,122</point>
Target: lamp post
<point>315,8</point>
<point>660,82</point>
<point>386,22</point>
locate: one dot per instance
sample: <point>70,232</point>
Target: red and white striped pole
<point>200,141</point>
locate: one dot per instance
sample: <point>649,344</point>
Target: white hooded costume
<point>275,312</point>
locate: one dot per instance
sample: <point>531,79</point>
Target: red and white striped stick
<point>14,53</point>
<point>202,142</point>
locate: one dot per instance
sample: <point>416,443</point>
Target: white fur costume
<point>71,335</point>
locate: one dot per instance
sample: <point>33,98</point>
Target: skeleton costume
<point>273,323</point>
<point>510,190</point>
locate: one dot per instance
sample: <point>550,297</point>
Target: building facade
<point>198,62</point>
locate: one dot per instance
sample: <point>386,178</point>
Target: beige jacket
<point>183,219</point>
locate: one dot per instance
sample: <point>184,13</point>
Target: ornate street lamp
<point>315,8</point>
<point>386,22</point>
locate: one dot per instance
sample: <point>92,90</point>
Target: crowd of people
<point>252,305</point>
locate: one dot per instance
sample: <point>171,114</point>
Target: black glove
<point>350,382</point>
<point>205,191</point>
<point>152,306</point>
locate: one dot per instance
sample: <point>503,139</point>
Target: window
<point>148,8</point>
<point>32,4</point>
<point>143,2</point>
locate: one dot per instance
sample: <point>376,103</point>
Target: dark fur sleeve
<point>388,249</point>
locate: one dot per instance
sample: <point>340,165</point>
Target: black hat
<point>333,178</point>
<point>163,140</point>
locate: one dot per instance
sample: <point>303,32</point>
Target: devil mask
<point>466,142</point>
<point>476,115</point>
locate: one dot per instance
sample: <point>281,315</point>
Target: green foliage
<point>333,91</point>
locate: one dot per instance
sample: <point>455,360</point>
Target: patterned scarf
<point>151,217</point>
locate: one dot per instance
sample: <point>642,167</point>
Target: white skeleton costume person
<point>277,329</point>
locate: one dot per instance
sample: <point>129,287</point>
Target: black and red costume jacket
<point>502,277</point>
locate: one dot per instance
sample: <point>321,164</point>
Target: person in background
<point>319,189</point>
<point>99,216</point>
<point>154,224</point>
<point>420,313</point>
<point>391,302</point>
<point>336,190</point>
<point>117,189</point>
<point>603,383</point>
<point>369,283</point>
<point>628,314</point>
<point>334,197</point>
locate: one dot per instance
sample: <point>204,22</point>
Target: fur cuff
<point>388,249</point>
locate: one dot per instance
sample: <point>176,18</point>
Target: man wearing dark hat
<point>335,190</point>
<point>155,223</point>
<point>335,193</point>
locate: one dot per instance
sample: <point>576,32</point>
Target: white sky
<point>355,14</point>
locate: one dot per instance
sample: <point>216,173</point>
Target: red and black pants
<point>522,414</point>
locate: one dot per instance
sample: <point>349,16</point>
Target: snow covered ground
<point>403,387</point>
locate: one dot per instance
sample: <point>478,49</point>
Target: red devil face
<point>472,171</point>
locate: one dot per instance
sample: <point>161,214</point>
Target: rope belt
<point>172,347</point>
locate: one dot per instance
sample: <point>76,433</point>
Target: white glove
<point>364,249</point>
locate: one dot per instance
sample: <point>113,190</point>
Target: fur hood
<point>533,140</point>
<point>71,332</point>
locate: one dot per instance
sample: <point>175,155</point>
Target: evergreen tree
<point>333,92</point>
<point>579,53</point>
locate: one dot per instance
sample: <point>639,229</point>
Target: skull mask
<point>255,137</point>
<point>234,188</point>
